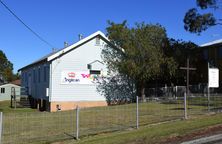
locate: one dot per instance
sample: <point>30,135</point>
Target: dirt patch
<point>212,130</point>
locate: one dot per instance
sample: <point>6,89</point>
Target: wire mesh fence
<point>160,109</point>
<point>200,100</point>
<point>162,104</point>
<point>107,119</point>
<point>29,127</point>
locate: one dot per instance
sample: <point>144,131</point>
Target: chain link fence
<point>161,105</point>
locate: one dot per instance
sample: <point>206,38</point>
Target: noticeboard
<point>213,77</point>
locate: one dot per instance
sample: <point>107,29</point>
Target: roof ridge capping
<point>212,43</point>
<point>76,44</point>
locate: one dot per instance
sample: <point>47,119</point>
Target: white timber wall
<point>77,60</point>
<point>7,91</point>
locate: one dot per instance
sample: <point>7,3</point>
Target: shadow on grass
<point>70,135</point>
<point>180,109</point>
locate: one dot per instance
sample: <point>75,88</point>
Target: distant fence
<point>43,127</point>
<point>178,91</point>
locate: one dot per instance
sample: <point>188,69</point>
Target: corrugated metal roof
<point>39,60</point>
<point>6,84</point>
<point>215,42</point>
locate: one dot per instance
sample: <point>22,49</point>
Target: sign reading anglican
<point>79,77</point>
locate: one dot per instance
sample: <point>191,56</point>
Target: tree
<point>117,89</point>
<point>181,50</point>
<point>140,53</point>
<point>6,68</point>
<point>196,22</point>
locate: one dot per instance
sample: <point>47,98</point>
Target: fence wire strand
<point>161,104</point>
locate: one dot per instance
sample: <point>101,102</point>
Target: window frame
<point>94,72</point>
<point>2,90</point>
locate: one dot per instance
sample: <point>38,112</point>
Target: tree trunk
<point>143,96</point>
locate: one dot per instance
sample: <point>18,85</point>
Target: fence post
<point>1,126</point>
<point>176,92</point>
<point>77,122</point>
<point>137,112</point>
<point>185,105</point>
<point>208,98</point>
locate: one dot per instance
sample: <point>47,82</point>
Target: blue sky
<point>62,20</point>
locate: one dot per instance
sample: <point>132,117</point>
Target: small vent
<point>97,41</point>
<point>66,44</point>
<point>80,36</point>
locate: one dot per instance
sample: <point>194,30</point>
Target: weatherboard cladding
<point>37,84</point>
<point>77,60</point>
<point>73,58</point>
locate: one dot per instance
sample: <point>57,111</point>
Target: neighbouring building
<point>212,52</point>
<point>6,91</point>
<point>67,78</point>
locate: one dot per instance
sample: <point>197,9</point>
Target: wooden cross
<point>187,68</point>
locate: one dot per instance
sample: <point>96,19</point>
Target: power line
<point>20,20</point>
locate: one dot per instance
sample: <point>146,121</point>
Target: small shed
<point>5,91</point>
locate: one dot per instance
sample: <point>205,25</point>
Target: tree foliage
<point>196,22</point>
<point>117,89</point>
<point>180,51</point>
<point>6,68</point>
<point>204,4</point>
<point>140,54</point>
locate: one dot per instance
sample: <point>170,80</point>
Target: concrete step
<point>25,101</point>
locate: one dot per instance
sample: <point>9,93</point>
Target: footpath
<point>215,139</point>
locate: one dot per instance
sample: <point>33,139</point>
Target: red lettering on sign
<point>71,74</point>
<point>85,75</point>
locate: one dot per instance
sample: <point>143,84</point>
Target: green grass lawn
<point>5,108</point>
<point>152,134</point>
<point>30,126</point>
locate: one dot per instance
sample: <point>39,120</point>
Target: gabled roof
<point>6,84</point>
<point>58,53</point>
<point>75,45</point>
<point>215,42</point>
<point>16,82</point>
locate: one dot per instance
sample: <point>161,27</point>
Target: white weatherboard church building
<point>66,78</point>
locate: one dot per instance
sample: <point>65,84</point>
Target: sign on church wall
<point>78,77</point>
